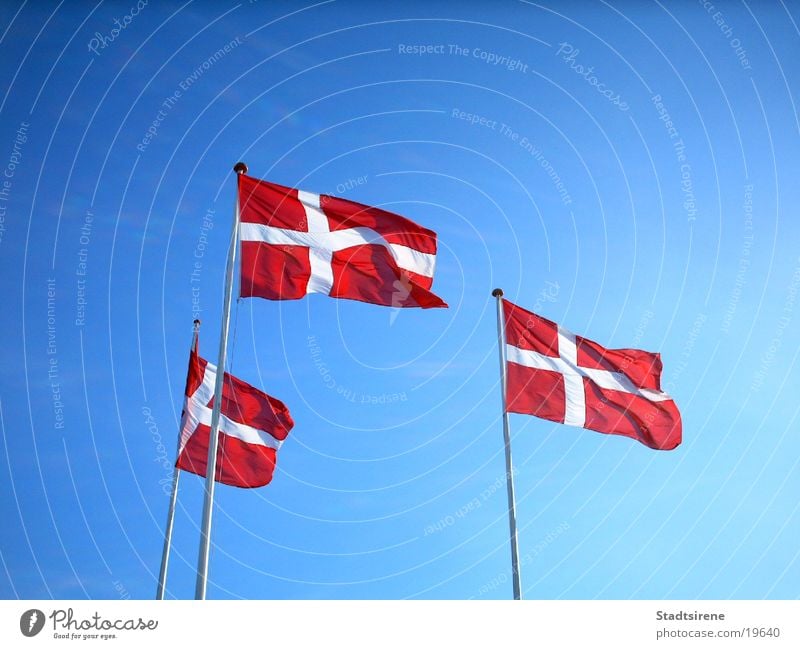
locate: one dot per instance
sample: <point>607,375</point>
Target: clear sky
<point>627,169</point>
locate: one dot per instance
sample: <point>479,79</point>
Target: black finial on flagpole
<point>196,325</point>
<point>498,292</point>
<point>240,168</point>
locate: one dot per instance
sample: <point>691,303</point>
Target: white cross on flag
<point>252,427</point>
<point>295,243</point>
<point>559,376</point>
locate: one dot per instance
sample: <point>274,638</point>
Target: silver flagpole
<point>176,476</point>
<point>213,439</point>
<point>512,513</point>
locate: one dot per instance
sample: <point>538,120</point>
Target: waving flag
<point>252,428</point>
<point>294,243</point>
<point>559,376</point>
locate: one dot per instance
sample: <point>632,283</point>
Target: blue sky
<point>626,169</point>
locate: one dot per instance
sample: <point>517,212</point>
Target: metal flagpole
<point>176,476</point>
<point>213,439</point>
<point>512,513</point>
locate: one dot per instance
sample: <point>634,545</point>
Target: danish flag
<point>294,243</point>
<point>252,427</point>
<point>556,375</point>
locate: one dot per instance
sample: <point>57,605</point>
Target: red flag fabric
<point>252,428</point>
<point>294,243</point>
<point>559,376</point>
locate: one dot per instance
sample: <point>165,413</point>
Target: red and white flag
<point>252,427</point>
<point>294,243</point>
<point>559,376</point>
